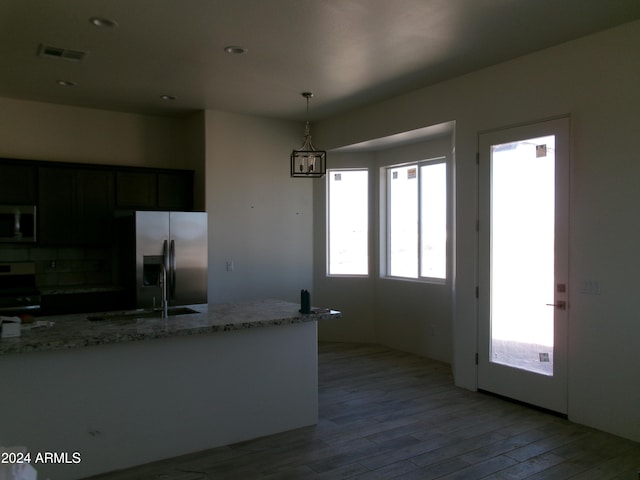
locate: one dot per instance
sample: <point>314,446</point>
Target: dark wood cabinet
<point>55,206</point>
<point>155,190</point>
<point>76,206</point>
<point>77,203</point>
<point>175,190</point>
<point>137,190</point>
<point>17,184</point>
<point>94,206</point>
<point>69,303</point>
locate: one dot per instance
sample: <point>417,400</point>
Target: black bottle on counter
<point>305,302</point>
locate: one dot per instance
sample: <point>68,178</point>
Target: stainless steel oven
<point>18,292</point>
<point>17,223</point>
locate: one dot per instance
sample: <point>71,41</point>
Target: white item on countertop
<point>10,327</point>
<point>14,466</point>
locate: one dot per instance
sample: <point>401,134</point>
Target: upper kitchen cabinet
<point>175,190</point>
<point>155,190</point>
<point>75,206</point>
<point>77,202</point>
<point>55,206</point>
<point>136,190</point>
<point>17,183</point>
<point>94,206</point>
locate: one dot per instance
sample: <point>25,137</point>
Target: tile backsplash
<point>64,267</point>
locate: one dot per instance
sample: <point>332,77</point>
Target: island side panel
<point>128,404</point>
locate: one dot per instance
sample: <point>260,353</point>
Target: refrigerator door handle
<point>165,255</point>
<point>172,270</point>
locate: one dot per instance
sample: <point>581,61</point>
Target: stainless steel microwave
<point>17,223</point>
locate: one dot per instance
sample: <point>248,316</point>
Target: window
<point>348,222</point>
<point>416,220</point>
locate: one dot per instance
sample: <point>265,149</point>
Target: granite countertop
<point>75,331</point>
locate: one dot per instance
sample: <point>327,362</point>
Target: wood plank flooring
<point>387,414</point>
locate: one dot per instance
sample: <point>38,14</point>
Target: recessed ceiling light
<point>66,83</point>
<point>103,22</point>
<point>167,97</point>
<point>235,49</point>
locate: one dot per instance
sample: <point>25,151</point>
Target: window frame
<point>385,221</point>
<point>328,223</point>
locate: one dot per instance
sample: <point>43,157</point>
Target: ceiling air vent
<point>62,53</point>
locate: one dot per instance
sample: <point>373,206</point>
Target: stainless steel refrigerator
<point>149,242</point>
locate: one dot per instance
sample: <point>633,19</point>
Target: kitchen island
<point>125,392</point>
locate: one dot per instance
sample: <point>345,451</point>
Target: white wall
<point>410,316</point>
<point>355,297</point>
<point>416,316</point>
<point>259,218</point>
<point>45,131</point>
<point>594,79</point>
<point>194,156</point>
<point>126,404</point>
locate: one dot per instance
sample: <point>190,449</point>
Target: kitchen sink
<point>140,313</point>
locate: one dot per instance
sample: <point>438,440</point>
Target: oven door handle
<point>22,308</point>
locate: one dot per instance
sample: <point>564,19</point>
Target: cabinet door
<point>175,191</point>
<point>94,206</point>
<point>56,225</point>
<point>17,184</point>
<point>76,206</point>
<point>136,190</point>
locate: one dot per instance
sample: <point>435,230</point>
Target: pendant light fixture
<point>307,162</point>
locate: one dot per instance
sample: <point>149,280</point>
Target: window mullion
<point>388,224</point>
<point>419,239</point>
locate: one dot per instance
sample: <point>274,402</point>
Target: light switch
<point>590,287</point>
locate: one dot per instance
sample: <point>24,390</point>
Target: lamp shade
<point>307,162</point>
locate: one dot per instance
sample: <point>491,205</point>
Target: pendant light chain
<point>307,129</point>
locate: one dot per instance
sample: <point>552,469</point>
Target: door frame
<point>546,392</point>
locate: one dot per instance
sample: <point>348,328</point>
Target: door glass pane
<point>522,254</point>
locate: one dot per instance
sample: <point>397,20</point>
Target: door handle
<point>165,255</point>
<point>560,305</point>
<point>172,259</point>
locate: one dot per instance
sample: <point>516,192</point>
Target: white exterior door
<point>523,263</point>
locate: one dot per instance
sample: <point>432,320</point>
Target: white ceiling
<point>347,52</point>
